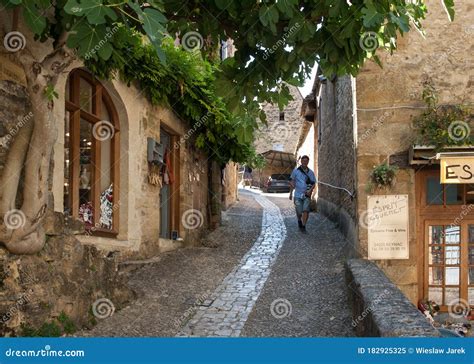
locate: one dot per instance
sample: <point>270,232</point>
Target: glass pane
<point>452,255</point>
<point>452,276</point>
<point>471,254</point>
<point>471,233</point>
<point>470,295</point>
<point>470,194</point>
<point>471,275</point>
<point>85,95</point>
<point>436,254</point>
<point>451,296</point>
<point>454,194</point>
<point>435,294</point>
<point>434,191</point>
<point>67,138</point>
<point>85,179</point>
<point>436,235</point>
<point>452,234</point>
<point>436,275</point>
<point>106,187</point>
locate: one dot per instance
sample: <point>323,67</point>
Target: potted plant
<point>382,176</point>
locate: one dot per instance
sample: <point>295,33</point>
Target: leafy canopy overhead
<point>275,42</point>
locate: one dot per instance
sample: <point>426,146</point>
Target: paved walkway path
<point>257,275</point>
<point>234,299</point>
<point>306,292</point>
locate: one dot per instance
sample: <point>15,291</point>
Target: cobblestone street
<point>257,275</point>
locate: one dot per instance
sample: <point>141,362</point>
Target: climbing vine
<point>186,84</point>
<point>443,125</point>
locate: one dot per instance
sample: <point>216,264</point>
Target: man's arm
<point>292,184</point>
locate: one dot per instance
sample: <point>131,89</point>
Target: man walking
<point>303,181</point>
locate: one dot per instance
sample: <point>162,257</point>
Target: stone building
<point>363,122</point>
<point>110,199</point>
<point>278,139</point>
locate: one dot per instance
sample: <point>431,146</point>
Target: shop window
<point>444,263</point>
<point>91,151</point>
<point>454,194</point>
<point>447,194</point>
<point>470,194</point>
<point>450,277</point>
<point>434,191</point>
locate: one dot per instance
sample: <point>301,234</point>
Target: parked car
<point>278,183</point>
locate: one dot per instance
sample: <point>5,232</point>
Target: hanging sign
<point>387,224</point>
<point>457,169</point>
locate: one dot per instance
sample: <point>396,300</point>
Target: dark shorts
<point>302,205</point>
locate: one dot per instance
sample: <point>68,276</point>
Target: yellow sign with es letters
<point>457,169</point>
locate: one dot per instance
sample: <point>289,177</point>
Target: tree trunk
<point>21,231</point>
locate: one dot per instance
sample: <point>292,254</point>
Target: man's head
<point>304,161</point>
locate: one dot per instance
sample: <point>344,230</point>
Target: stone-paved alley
<point>257,275</point>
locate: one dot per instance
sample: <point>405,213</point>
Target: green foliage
<point>56,328</point>
<point>449,7</point>
<point>69,326</point>
<point>443,125</point>
<point>185,84</point>
<point>50,93</point>
<point>276,42</point>
<point>382,176</point>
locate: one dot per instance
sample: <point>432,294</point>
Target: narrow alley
<point>257,275</point>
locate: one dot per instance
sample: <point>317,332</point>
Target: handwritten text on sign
<point>388,226</point>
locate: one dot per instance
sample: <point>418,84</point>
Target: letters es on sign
<point>457,169</point>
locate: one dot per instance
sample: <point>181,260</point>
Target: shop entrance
<point>446,228</point>
<point>165,192</point>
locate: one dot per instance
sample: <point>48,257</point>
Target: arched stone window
<point>91,147</point>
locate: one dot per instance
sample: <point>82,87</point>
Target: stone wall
<point>379,308</point>
<point>281,134</point>
<point>65,277</point>
<point>83,267</point>
<point>388,98</point>
<point>230,190</point>
<point>336,154</point>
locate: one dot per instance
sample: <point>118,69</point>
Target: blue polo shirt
<point>299,179</point>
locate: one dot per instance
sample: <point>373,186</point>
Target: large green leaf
<point>153,24</point>
<point>95,10</point>
<point>32,16</point>
<point>371,16</point>
<point>223,4</point>
<point>449,7</point>
<point>89,39</point>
